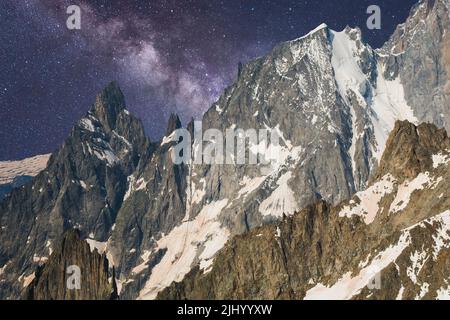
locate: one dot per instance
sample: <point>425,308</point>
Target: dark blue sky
<point>167,55</point>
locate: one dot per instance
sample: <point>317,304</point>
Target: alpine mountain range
<point>362,187</point>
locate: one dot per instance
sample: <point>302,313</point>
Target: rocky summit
<point>52,280</point>
<point>354,123</point>
<point>82,187</point>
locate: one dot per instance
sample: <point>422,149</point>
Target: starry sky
<point>167,55</point>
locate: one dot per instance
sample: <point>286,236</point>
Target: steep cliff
<point>55,280</point>
<point>390,241</point>
<point>332,99</point>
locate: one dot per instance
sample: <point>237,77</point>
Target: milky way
<point>168,56</point>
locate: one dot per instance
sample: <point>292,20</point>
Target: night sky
<point>167,55</point>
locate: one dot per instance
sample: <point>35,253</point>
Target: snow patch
<point>440,159</point>
<point>249,185</point>
<point>97,245</point>
<point>278,232</point>
<point>370,198</point>
<point>349,286</point>
<point>141,267</point>
<point>48,245</point>
<point>400,293</point>
<point>282,199</point>
<point>219,110</point>
<point>198,194</point>
<point>107,155</point>
<point>83,184</point>
<point>26,279</point>
<point>123,139</point>
<point>389,105</point>
<point>442,236</point>
<point>2,269</point>
<point>87,124</point>
<point>318,28</point>
<point>168,139</point>
<point>418,260</point>
<point>423,291</point>
<point>133,186</point>
<point>37,259</point>
<point>443,293</point>
<point>196,240</point>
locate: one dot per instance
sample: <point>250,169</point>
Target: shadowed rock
<point>50,282</point>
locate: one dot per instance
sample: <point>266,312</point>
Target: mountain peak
<point>352,30</point>
<point>320,27</point>
<point>72,251</point>
<point>410,148</point>
<point>173,123</point>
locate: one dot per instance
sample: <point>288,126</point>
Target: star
<point>159,52</point>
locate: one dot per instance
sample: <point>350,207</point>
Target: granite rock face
<point>390,241</point>
<point>83,186</point>
<point>96,282</point>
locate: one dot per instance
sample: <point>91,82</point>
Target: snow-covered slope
<point>334,101</point>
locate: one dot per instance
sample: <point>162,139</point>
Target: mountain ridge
<point>333,100</point>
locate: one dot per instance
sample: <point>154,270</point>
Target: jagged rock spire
<point>94,283</point>
<point>108,104</point>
